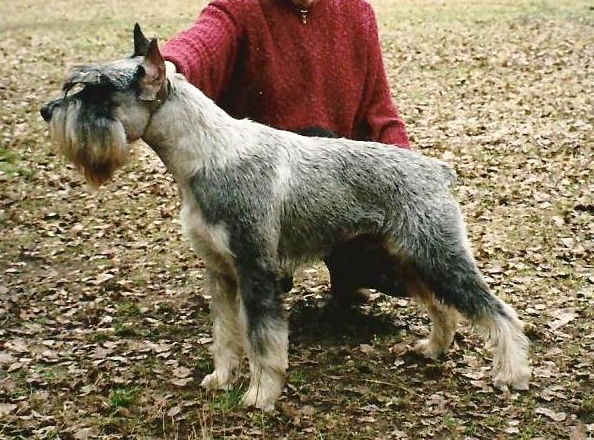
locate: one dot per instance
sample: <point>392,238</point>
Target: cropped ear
<point>152,73</point>
<point>141,43</point>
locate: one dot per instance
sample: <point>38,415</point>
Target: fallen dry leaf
<point>7,408</point>
<point>553,415</point>
<point>104,309</point>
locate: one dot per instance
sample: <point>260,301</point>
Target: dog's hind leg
<point>267,332</point>
<point>444,320</point>
<point>439,252</point>
<point>227,333</point>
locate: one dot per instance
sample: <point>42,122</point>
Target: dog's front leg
<point>227,332</point>
<point>267,332</point>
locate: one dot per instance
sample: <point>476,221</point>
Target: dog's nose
<point>46,112</point>
<point>48,109</point>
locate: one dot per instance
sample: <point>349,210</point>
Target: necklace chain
<point>302,10</point>
<point>303,15</point>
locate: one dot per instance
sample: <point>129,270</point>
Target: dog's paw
<point>253,398</point>
<point>428,349</point>
<point>213,381</point>
<point>263,393</point>
<point>518,382</point>
<point>511,370</point>
<point>520,385</point>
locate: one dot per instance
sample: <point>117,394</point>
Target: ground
<point>104,328</point>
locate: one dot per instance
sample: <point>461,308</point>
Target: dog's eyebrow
<point>119,74</point>
<point>82,75</point>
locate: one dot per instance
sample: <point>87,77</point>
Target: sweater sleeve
<point>205,53</point>
<point>381,118</point>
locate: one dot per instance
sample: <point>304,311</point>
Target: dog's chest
<point>209,240</point>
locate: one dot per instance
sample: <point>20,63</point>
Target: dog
<point>257,203</point>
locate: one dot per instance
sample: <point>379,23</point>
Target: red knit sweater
<point>258,59</point>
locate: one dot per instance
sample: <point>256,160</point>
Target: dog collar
<point>157,103</point>
<point>161,97</point>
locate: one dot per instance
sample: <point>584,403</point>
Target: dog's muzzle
<point>48,109</point>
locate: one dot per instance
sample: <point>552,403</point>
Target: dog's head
<point>105,107</point>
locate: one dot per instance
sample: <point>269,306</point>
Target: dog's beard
<point>97,146</point>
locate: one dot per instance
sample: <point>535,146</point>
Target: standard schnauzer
<point>259,202</point>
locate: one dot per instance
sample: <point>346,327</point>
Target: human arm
<point>205,53</point>
<point>380,120</point>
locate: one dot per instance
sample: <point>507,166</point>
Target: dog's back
<point>329,190</point>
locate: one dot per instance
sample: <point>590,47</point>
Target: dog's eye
<point>96,92</point>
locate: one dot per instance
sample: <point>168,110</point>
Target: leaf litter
<point>105,328</point>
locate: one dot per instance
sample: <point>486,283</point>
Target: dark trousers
<point>359,263</point>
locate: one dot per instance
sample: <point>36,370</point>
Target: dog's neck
<point>188,131</point>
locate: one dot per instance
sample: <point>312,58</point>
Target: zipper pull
<point>303,15</point>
